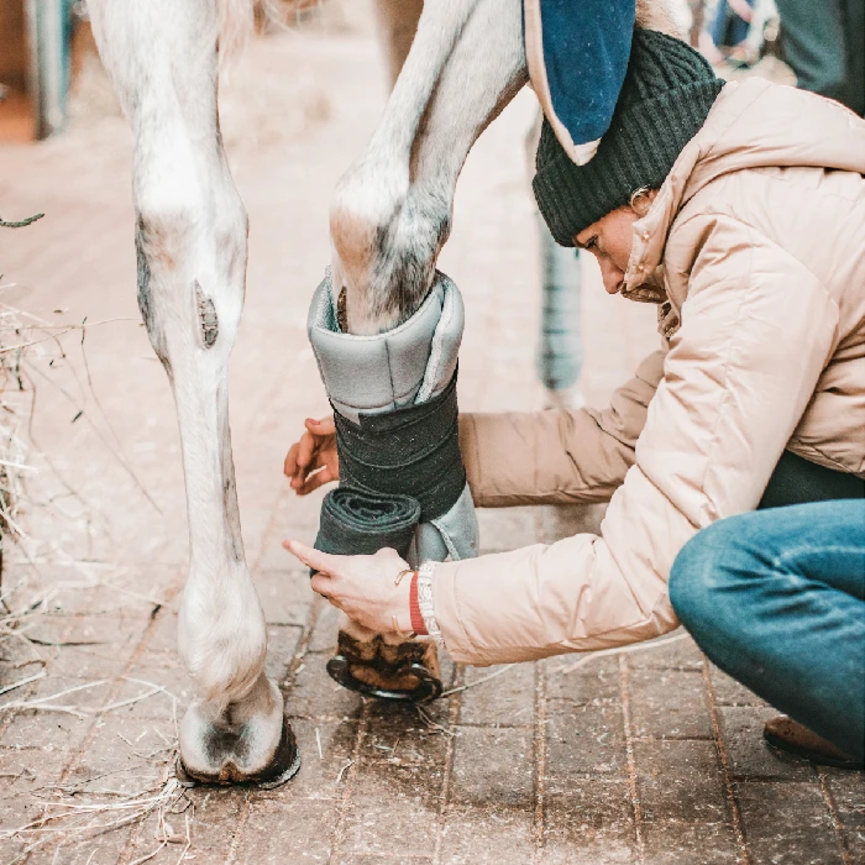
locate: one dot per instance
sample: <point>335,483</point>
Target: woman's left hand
<point>363,587</point>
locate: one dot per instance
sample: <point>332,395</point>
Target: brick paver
<point>646,757</point>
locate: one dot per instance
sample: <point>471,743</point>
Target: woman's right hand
<point>312,461</point>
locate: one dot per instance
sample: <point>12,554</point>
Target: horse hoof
<point>241,745</point>
<point>405,673</point>
<point>284,768</point>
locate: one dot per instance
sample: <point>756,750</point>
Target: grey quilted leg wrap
<point>394,374</point>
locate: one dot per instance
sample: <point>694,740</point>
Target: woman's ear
<point>641,200</point>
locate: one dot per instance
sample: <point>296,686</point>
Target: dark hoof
<point>283,768</point>
<point>428,687</point>
<point>406,673</point>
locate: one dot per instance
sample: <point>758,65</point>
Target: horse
<point>390,217</point>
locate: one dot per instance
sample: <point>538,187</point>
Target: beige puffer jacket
<point>756,243</point>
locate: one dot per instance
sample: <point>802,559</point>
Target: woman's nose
<point>611,276</point>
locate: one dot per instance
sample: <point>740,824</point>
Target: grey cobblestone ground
<point>646,757</point>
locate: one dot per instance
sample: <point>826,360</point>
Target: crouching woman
<point>739,210</point>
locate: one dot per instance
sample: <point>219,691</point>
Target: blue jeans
<point>776,599</point>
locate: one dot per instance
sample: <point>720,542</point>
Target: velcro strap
<point>410,450</point>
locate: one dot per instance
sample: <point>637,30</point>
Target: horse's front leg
<point>386,328</point>
<point>191,243</point>
<point>391,212</point>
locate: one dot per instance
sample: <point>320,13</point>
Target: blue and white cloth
<point>577,53</point>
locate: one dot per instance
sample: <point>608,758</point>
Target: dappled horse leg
<point>368,663</point>
<point>191,240</point>
<point>391,211</point>
<point>390,217</point>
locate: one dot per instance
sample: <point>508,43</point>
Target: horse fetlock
<point>367,213</point>
<point>244,741</point>
<point>222,641</point>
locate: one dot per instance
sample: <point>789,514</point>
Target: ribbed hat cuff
<point>639,150</point>
<point>567,199</point>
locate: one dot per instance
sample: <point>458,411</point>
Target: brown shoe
<point>407,672</point>
<point>789,736</point>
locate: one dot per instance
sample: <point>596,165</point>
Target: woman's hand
<point>742,9</point>
<point>367,588</point>
<point>312,461</point>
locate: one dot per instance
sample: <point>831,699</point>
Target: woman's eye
<point>592,243</point>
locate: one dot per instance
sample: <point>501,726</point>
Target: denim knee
<point>699,574</point>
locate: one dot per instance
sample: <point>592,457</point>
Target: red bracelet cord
<point>417,622</point>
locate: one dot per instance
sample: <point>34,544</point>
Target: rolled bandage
<point>364,523</point>
<point>396,414</point>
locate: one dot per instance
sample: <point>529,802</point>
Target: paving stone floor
<point>648,756</point>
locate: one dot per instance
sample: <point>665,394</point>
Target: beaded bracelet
<point>417,623</point>
<point>425,601</point>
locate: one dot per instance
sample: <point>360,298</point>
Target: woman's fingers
<point>319,471</point>
<point>315,450</point>
<point>313,558</point>
<point>305,449</point>
<point>323,427</point>
<point>300,460</point>
<point>364,587</point>
<point>321,584</point>
<point>298,457</point>
<point>289,467</point>
<point>316,479</point>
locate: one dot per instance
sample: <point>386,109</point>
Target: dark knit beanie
<point>665,98</point>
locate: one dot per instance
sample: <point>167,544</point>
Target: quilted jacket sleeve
<point>557,456</point>
<point>757,330</point>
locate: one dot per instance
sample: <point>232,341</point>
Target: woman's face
<point>609,240</point>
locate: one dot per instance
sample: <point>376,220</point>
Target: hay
<point>70,814</point>
<point>27,344</point>
<point>23,338</point>
<point>70,820</point>
<point>13,452</point>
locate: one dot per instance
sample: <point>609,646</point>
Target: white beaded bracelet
<point>425,601</point>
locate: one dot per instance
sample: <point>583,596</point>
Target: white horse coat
<point>390,217</point>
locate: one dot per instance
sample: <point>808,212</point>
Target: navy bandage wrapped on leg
<point>402,482</point>
<point>414,448</point>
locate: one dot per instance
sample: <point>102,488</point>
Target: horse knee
<point>160,235</point>
<point>363,212</point>
<point>191,269</point>
<point>366,201</point>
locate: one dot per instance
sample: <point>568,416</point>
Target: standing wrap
<point>402,481</point>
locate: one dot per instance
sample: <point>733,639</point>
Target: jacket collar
<point>752,124</point>
<point>643,279</point>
